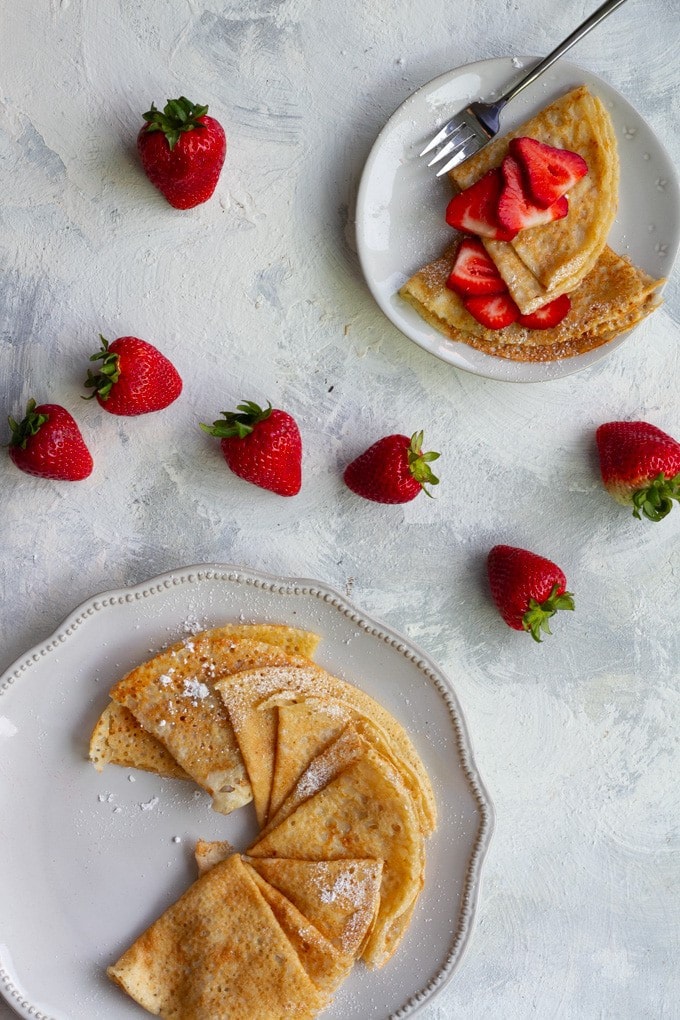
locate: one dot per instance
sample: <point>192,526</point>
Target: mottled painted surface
<point>258,295</point>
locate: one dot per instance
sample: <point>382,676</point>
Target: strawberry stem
<point>655,501</point>
<point>109,373</point>
<point>235,424</point>
<point>178,116</point>
<point>419,463</point>
<point>29,426</point>
<point>536,619</point>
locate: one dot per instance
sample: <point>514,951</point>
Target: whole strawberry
<point>640,467</point>
<point>393,470</point>
<point>47,442</point>
<point>263,446</point>
<point>527,589</point>
<point>134,377</point>
<point>182,152</point>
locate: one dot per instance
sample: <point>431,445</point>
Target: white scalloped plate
<point>89,859</point>
<point>401,203</point>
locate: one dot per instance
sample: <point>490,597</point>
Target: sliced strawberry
<point>548,315</point>
<point>495,311</point>
<point>516,210</point>
<point>475,210</point>
<point>549,172</point>
<point>474,272</point>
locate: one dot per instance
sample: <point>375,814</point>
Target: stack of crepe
<point>344,806</point>
<point>567,256</point>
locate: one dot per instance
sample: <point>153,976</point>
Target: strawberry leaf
<point>655,501</point>
<point>109,373</point>
<point>29,426</point>
<point>537,617</point>
<point>419,463</point>
<point>239,423</point>
<point>178,115</point>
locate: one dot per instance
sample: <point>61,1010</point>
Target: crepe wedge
<point>219,953</point>
<point>613,297</point>
<point>364,812</point>
<point>542,262</point>
<point>303,729</point>
<point>340,898</point>
<point>333,759</point>
<point>252,698</point>
<point>173,698</point>
<point>118,738</point>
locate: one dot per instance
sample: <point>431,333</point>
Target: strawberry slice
<point>495,311</point>
<point>475,210</point>
<point>516,210</point>
<point>474,272</point>
<point>549,172</point>
<point>548,315</point>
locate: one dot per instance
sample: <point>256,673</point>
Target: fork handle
<point>578,33</point>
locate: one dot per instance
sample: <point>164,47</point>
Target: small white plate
<point>400,223</point>
<point>88,859</point>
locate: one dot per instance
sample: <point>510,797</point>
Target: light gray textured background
<point>258,295</point>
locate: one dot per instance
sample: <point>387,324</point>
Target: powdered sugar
<point>195,690</point>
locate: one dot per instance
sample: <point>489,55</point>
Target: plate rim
<point>571,365</point>
<point>306,587</point>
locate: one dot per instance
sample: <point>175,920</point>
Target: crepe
<point>252,698</point>
<point>303,729</point>
<point>325,965</point>
<point>208,853</point>
<point>119,739</point>
<point>611,299</point>
<point>173,697</point>
<point>347,748</point>
<point>218,952</point>
<point>340,897</point>
<point>364,812</point>
<point>543,262</point>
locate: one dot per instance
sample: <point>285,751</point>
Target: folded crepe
<point>304,728</point>
<point>339,898</point>
<point>543,262</point>
<point>252,698</point>
<point>173,697</point>
<point>365,811</point>
<point>324,964</point>
<point>220,951</point>
<point>119,739</point>
<point>347,748</point>
<point>612,298</point>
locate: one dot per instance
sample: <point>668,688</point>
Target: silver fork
<point>478,123</point>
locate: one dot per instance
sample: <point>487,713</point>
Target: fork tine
<point>450,128</point>
<point>451,145</point>
<point>464,151</point>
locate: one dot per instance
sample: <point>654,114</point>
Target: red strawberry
<point>549,172</point>
<point>640,466</point>
<point>495,311</point>
<point>262,446</point>
<point>392,470</point>
<point>548,315</point>
<point>516,210</point>
<point>474,272</point>
<point>182,152</point>
<point>527,589</point>
<point>475,210</point>
<point>48,443</point>
<point>134,377</point>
